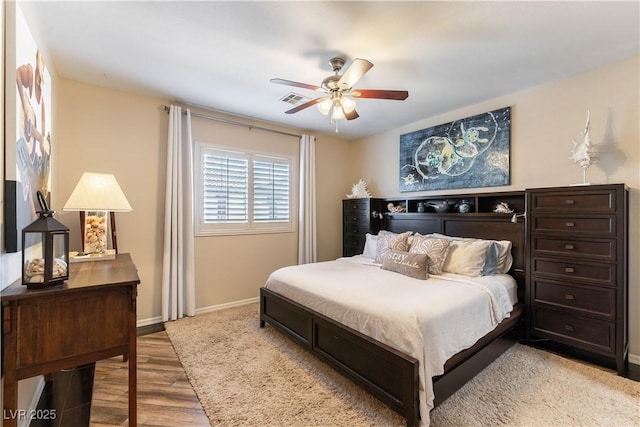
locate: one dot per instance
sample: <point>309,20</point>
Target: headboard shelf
<point>477,202</point>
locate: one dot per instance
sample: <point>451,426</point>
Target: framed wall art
<point>466,153</point>
<point>28,128</point>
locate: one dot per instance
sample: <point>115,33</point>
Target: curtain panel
<point>307,251</point>
<point>178,269</point>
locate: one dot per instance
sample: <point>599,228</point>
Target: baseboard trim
<point>155,324</point>
<point>149,329</point>
<point>149,322</point>
<point>227,305</point>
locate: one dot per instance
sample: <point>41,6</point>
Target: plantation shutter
<point>226,188</point>
<point>271,198</point>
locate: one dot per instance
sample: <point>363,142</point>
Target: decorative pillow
<point>505,259</point>
<point>435,248</point>
<point>502,252</point>
<point>370,246</point>
<point>388,240</point>
<point>407,264</point>
<point>467,257</point>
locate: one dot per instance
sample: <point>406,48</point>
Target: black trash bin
<point>67,398</point>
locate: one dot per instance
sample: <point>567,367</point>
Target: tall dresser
<point>358,220</point>
<point>577,273</point>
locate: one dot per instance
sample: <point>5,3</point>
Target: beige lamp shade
<point>97,192</point>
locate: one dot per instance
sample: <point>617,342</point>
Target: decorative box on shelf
<point>80,257</point>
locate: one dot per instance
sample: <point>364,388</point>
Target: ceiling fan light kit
<point>338,103</point>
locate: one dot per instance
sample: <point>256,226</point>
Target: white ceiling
<point>221,55</point>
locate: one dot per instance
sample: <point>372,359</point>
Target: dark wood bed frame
<point>385,372</point>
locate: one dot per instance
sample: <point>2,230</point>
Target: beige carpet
<point>247,376</point>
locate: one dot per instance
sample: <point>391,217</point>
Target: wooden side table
<point>90,317</point>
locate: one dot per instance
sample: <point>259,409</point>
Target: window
<point>242,192</point>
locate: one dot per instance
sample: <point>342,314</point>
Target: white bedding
<point>430,320</point>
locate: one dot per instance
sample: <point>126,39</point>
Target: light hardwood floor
<point>165,397</point>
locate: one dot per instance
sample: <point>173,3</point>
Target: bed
<point>352,314</point>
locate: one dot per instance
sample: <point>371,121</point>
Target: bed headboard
<point>480,223</point>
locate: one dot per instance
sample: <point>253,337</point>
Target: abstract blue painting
<point>466,153</point>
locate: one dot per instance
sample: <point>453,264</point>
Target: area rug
<point>250,376</point>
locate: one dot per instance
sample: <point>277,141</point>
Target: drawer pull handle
<point>569,327</point>
<point>569,297</point>
<point>569,247</point>
<point>355,218</point>
<point>569,202</point>
<point>570,224</point>
<point>569,270</point>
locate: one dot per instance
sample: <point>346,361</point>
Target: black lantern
<point>45,249</point>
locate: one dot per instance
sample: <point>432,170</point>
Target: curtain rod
<point>231,122</point>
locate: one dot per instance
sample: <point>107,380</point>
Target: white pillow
<point>467,257</point>
<point>370,246</point>
<point>502,252</point>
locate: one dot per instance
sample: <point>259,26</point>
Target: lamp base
<point>77,257</point>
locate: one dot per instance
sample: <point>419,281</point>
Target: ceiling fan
<point>339,91</point>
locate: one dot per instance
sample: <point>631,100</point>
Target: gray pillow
<point>388,241</point>
<point>411,265</point>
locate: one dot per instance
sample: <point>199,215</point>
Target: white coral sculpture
<point>583,153</point>
<point>359,191</point>
<point>503,207</point>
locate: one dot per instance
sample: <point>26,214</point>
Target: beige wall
<point>544,120</point>
<point>102,130</point>
<point>106,131</point>
<point>233,268</point>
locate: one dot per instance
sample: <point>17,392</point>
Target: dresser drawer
<point>586,299</point>
<point>356,218</point>
<point>566,224</point>
<point>600,273</point>
<point>603,249</point>
<point>353,245</point>
<point>356,205</point>
<point>584,201</point>
<point>355,228</point>
<point>582,332</point>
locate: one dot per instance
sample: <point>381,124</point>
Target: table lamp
<point>97,197</point>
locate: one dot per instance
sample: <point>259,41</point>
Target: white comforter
<point>430,320</point>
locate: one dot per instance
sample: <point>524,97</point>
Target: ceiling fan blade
<point>352,115</point>
<point>356,70</point>
<point>305,105</point>
<point>399,95</point>
<point>296,84</point>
